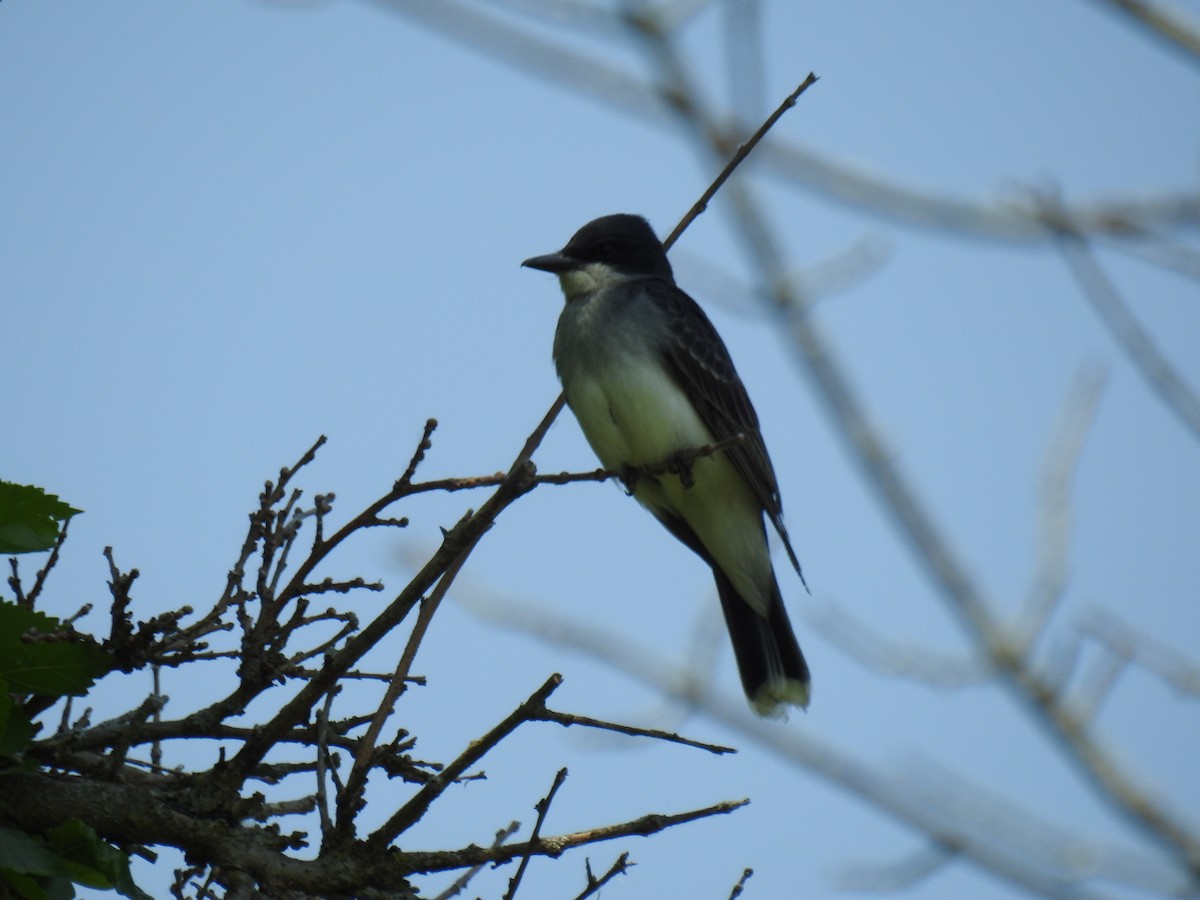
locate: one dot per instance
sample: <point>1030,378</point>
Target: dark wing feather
<point>696,357</point>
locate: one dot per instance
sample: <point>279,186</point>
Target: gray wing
<point>696,357</point>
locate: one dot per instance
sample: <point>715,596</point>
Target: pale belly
<point>633,414</point>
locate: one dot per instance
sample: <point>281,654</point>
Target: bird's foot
<point>680,463</point>
<point>629,478</point>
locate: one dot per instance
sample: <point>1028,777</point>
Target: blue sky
<point>227,228</point>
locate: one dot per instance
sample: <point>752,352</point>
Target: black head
<point>623,242</point>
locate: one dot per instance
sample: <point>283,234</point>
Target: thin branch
<point>348,802</point>
<point>418,456</point>
<point>736,160</point>
<point>568,719</point>
<point>1168,665</point>
<point>419,863</point>
<point>322,766</point>
<point>741,884</point>
<point>1128,332</point>
<point>619,867</point>
<point>1169,25</point>
<point>894,659</point>
<point>465,878</point>
<point>897,877</point>
<point>30,599</point>
<point>795,166</point>
<point>543,808</point>
<point>840,765</point>
<point>1098,682</point>
<point>1054,531</point>
<point>459,542</point>
<point>412,811</point>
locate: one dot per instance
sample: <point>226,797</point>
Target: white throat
<point>588,278</point>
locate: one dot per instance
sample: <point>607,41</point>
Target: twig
<point>542,807</point>
<point>286,473</point>
<point>348,805</point>
<point>540,432</point>
<point>31,598</point>
<point>1062,461</point>
<point>322,748</point>
<point>459,542</point>
<point>1097,682</point>
<point>796,167</point>
<point>420,863</point>
<point>419,454</point>
<point>1173,668</point>
<point>619,867</point>
<point>568,719</point>
<point>348,802</point>
<point>894,878</point>
<point>840,765</point>
<point>464,879</point>
<point>892,658</point>
<point>415,808</point>
<point>741,884</point>
<point>742,152</point>
<point>1171,27</point>
<point>156,754</point>
<point>1141,348</point>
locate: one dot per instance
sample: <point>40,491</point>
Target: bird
<point>650,382</point>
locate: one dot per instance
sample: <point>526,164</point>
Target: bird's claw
<point>679,463</point>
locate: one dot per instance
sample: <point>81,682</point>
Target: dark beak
<point>552,262</point>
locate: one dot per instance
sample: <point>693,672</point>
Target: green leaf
<point>52,668</point>
<point>16,731</point>
<point>93,861</point>
<point>27,855</point>
<point>21,887</point>
<point>29,518</point>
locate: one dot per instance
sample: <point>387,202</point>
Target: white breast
<point>633,413</point>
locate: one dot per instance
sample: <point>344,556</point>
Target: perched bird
<point>649,379</point>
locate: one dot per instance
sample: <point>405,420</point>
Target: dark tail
<point>774,673</point>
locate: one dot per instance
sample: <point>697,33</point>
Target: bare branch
<point>891,658</point>
<point>348,802</point>
<point>458,544</point>
<point>743,151</point>
<point>414,809</point>
<point>889,792</point>
<point>1054,531</point>
<point>894,878</point>
<point>1122,639</point>
<point>463,880</point>
<point>619,867</point>
<point>543,808</point>
<point>741,884</point>
<point>1138,344</point>
<point>39,581</point>
<point>423,863</point>
<point>1166,24</point>
<point>795,166</point>
<point>568,719</point>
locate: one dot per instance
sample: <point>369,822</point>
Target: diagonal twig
<point>619,867</point>
<point>736,160</point>
<point>1137,342</point>
<point>543,808</point>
